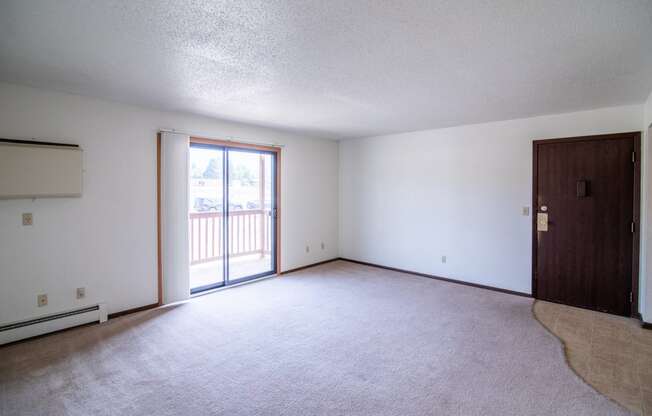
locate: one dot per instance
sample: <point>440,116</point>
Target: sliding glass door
<point>232,218</point>
<point>206,219</point>
<point>250,190</point>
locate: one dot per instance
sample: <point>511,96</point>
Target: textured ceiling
<point>336,68</point>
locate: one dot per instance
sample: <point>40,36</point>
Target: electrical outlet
<point>81,292</point>
<point>443,259</point>
<point>42,300</point>
<point>307,249</point>
<point>323,246</point>
<point>526,211</point>
<point>28,219</point>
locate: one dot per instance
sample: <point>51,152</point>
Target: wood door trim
<point>610,136</point>
<point>277,196</point>
<point>636,218</point>
<point>636,136</point>
<point>533,211</point>
<point>232,144</point>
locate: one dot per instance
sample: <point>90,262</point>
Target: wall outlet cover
<point>81,292</point>
<point>28,219</point>
<point>42,300</point>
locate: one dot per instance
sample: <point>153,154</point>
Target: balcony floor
<point>211,272</point>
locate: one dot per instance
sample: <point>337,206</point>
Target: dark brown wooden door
<point>586,186</point>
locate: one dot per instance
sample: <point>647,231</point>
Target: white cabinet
<point>29,170</point>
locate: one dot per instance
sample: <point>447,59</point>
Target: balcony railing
<point>249,233</point>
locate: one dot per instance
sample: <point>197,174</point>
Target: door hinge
<point>631,297</point>
<point>633,227</point>
<point>633,157</point>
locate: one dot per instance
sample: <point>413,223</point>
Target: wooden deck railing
<point>249,233</point>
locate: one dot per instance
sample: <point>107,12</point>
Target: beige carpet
<point>611,353</point>
<point>339,339</point>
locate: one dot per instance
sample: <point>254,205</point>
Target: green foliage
<point>243,174</point>
<point>213,170</point>
<point>238,172</point>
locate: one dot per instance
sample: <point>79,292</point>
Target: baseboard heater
<point>49,323</point>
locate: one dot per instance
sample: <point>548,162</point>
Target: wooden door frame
<point>636,136</point>
<point>232,145</point>
<point>158,221</point>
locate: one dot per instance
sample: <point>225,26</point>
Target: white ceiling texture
<point>336,68</point>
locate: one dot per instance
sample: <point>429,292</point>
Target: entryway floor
<point>611,353</point>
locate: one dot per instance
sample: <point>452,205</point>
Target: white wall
<point>408,199</point>
<point>646,196</point>
<point>106,240</point>
<point>404,200</point>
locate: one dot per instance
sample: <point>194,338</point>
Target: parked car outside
<point>256,205</point>
<point>208,205</point>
